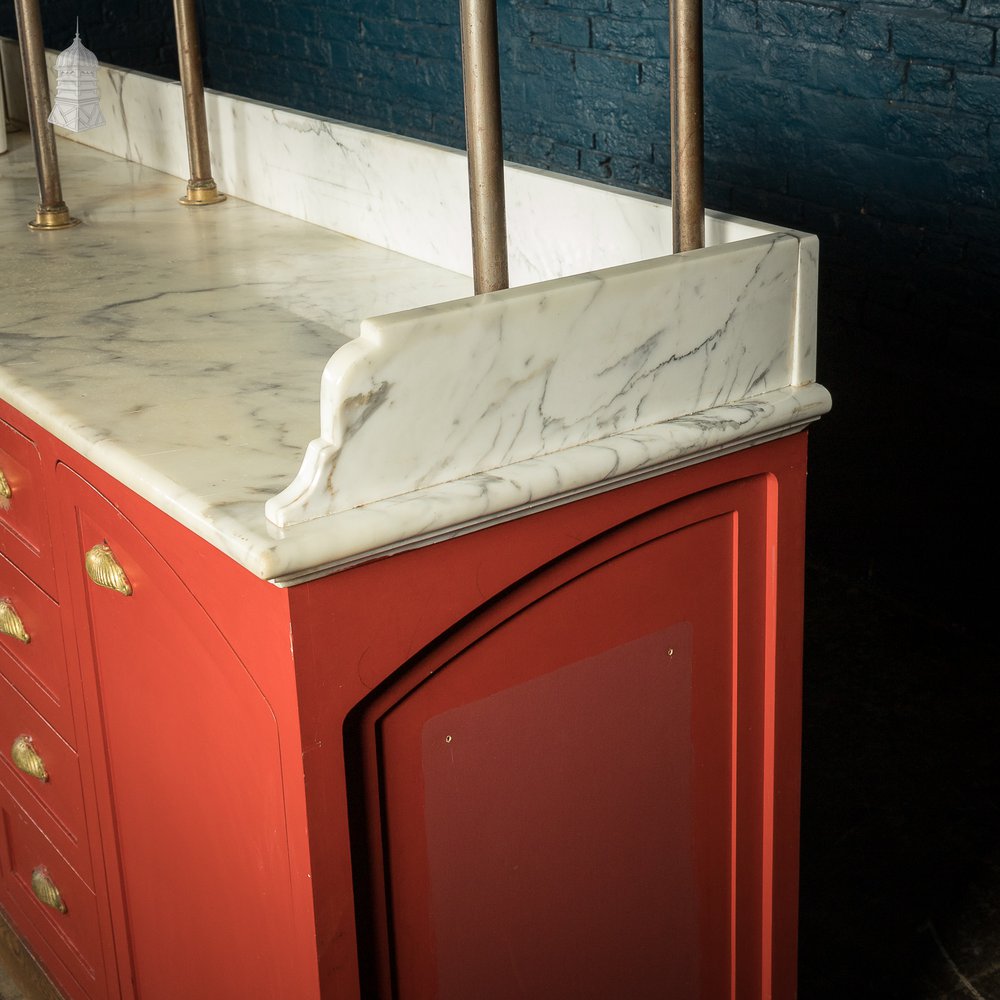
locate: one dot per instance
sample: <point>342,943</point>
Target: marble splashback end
<point>442,392</point>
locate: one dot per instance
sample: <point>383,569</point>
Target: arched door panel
<point>550,804</point>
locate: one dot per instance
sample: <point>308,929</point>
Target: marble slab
<point>397,523</point>
<point>183,349</point>
<point>195,353</point>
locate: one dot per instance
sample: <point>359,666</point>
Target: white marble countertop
<point>194,353</point>
<point>186,344</point>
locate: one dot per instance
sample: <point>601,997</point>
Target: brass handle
<point>26,758</point>
<point>104,569</point>
<point>10,622</point>
<point>45,889</point>
<point>5,490</point>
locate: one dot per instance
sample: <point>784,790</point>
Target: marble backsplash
<point>398,193</point>
<point>438,393</point>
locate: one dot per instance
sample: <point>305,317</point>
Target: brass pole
<point>484,139</point>
<point>201,189</point>
<point>51,212</point>
<point>687,125</point>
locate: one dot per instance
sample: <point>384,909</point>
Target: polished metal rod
<point>484,139</point>
<point>687,125</point>
<point>201,189</point>
<point>51,212</point>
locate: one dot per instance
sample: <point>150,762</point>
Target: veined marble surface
<point>194,353</point>
<point>182,349</point>
<point>440,393</point>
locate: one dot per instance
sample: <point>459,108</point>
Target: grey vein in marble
<point>453,390</point>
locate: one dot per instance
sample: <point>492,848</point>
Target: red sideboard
<point>557,757</point>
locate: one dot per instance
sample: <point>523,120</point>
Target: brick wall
<point>136,34</point>
<point>874,124</point>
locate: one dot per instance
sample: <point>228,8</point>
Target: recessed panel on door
<point>553,810</point>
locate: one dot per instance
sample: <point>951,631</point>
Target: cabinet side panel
<point>367,637</point>
<point>586,754</point>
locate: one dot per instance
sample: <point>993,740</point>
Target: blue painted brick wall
<point>875,124</point>
<point>136,34</point>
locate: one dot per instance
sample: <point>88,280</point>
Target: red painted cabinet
<point>51,888</point>
<point>557,757</point>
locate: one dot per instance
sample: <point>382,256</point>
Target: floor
<point>901,805</point>
<point>8,988</point>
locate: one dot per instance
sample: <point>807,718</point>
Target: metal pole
<point>201,189</point>
<point>484,139</point>
<point>687,125</point>
<point>51,212</point>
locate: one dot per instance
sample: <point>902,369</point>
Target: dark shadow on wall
<point>900,876</point>
<point>899,484</point>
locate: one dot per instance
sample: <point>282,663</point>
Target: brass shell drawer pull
<point>10,622</point>
<point>45,889</point>
<point>5,490</point>
<point>104,569</point>
<point>27,759</point>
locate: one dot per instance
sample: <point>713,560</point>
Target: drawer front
<point>43,772</point>
<point>31,648</point>
<point>61,914</point>
<point>24,521</point>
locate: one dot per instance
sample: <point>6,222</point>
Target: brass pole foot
<point>52,217</point>
<point>202,193</point>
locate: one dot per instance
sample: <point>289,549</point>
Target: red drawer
<point>68,926</point>
<point>31,648</point>
<point>43,771</point>
<point>24,520</point>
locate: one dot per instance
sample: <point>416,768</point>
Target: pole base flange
<point>52,217</point>
<point>202,193</point>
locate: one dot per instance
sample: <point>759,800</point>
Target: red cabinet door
<point>194,794</point>
<point>565,797</point>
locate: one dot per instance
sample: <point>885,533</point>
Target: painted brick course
<point>135,34</point>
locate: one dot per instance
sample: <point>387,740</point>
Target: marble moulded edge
<point>455,390</point>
